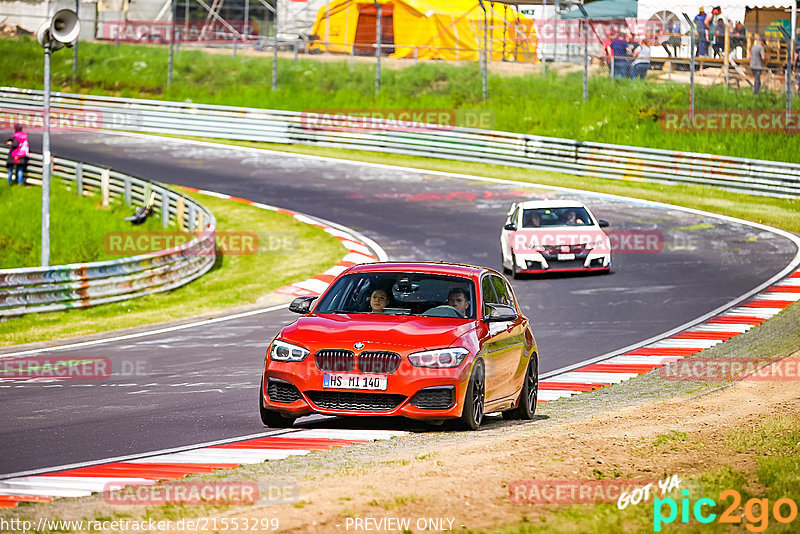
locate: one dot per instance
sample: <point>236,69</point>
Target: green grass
<point>775,442</point>
<point>235,280</point>
<point>624,112</point>
<point>77,226</point>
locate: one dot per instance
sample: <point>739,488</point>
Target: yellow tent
<point>435,29</point>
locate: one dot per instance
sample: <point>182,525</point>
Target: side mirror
<point>510,226</point>
<point>301,304</point>
<point>603,223</point>
<point>500,313</point>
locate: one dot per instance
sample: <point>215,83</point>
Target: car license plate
<point>352,381</point>
<point>566,257</point>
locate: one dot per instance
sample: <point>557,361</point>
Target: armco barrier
<point>446,142</point>
<point>40,289</point>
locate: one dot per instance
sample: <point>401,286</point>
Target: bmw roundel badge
<point>358,346</point>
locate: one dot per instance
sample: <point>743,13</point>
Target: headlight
<point>439,358</point>
<point>598,243</point>
<point>280,351</point>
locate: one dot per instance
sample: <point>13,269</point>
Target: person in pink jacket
<point>18,151</point>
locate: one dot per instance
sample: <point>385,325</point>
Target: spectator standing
<point>739,37</point>
<point>18,151</point>
<point>757,60</point>
<point>672,38</point>
<point>619,45</point>
<point>702,32</point>
<point>641,60</point>
<point>607,50</point>
<point>719,38</point>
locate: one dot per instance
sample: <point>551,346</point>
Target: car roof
<point>452,269</point>
<point>566,203</point>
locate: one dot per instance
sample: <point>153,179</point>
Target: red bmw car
<point>429,341</point>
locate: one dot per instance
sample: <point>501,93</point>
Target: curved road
<point>199,384</point>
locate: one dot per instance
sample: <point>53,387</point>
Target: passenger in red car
<point>457,298</point>
<point>378,301</point>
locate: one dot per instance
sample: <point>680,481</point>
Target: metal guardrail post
<point>126,191</point>
<point>192,217</point>
<point>164,207</point>
<point>79,179</point>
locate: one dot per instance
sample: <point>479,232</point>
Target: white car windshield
<point>549,217</point>
<point>420,294</point>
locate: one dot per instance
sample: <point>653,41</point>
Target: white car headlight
<point>439,358</point>
<point>281,351</point>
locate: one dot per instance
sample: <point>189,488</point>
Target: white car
<point>543,236</point>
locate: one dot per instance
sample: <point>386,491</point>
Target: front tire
<point>272,418</point>
<point>529,395</point>
<point>474,399</point>
<point>514,273</point>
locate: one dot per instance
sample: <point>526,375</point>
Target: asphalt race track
<point>200,384</point>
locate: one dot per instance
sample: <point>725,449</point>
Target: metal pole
<point>485,62</point>
<point>275,54</point>
<point>557,5</point>
<point>328,25</point>
<point>378,37</point>
<point>585,52</point>
<point>75,46</point>
<point>544,59</point>
<point>789,58</point>
<point>692,30</point>
<point>171,43</point>
<point>246,19</point>
<point>727,62</point>
<point>46,160</point>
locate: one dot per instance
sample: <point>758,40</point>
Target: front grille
<point>577,263</point>
<point>437,398</point>
<point>564,249</point>
<point>378,362</point>
<point>358,402</point>
<point>337,361</point>
<point>280,391</point>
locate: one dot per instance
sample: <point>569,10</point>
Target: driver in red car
<point>378,301</point>
<point>457,298</point>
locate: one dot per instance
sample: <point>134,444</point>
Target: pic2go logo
<point>756,511</point>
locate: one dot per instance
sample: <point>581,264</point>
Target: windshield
<point>544,217</point>
<point>420,294</point>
